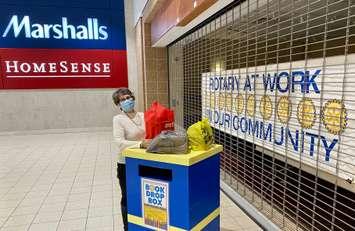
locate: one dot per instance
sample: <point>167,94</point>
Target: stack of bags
<point>159,123</point>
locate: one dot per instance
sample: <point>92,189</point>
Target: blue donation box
<point>173,192</point>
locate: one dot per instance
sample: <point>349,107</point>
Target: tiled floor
<point>68,182</point>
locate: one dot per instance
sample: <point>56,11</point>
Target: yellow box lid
<point>181,159</point>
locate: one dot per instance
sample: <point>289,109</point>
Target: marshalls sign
<point>302,110</point>
<point>67,44</point>
<point>155,197</point>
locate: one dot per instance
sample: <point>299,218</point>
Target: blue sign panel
<point>62,27</point>
<point>62,44</point>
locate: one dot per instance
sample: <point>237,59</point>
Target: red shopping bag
<point>157,119</point>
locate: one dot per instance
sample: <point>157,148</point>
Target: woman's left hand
<point>145,143</point>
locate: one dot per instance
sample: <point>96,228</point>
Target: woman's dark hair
<point>121,91</point>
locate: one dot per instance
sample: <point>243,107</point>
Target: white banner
<point>303,109</point>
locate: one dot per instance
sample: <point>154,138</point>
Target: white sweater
<point>127,133</point>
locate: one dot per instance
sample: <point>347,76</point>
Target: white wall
<point>134,83</point>
<point>55,109</point>
<point>70,108</point>
<point>138,6</point>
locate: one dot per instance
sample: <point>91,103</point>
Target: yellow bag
<point>200,135</point>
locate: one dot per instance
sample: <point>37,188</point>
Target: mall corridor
<point>68,182</point>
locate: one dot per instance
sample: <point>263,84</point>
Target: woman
<point>128,130</point>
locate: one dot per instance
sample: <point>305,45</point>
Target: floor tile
<point>100,211</point>
<point>77,205</point>
<point>26,210</point>
<point>47,217</point>
<point>16,228</point>
<point>246,223</point>
<point>19,220</point>
<point>9,204</point>
<point>72,225</point>
<point>2,220</point>
<point>44,227</point>
<point>6,212</point>
<point>99,222</point>
<point>74,214</point>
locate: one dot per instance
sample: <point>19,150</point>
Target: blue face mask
<point>127,105</point>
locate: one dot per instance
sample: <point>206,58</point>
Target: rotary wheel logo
<point>334,116</point>
<point>221,101</point>
<point>284,109</point>
<point>265,107</point>
<point>251,105</point>
<point>306,113</point>
<point>239,104</point>
<point>210,100</point>
<point>228,104</point>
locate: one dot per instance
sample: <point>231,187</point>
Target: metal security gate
<point>276,78</point>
